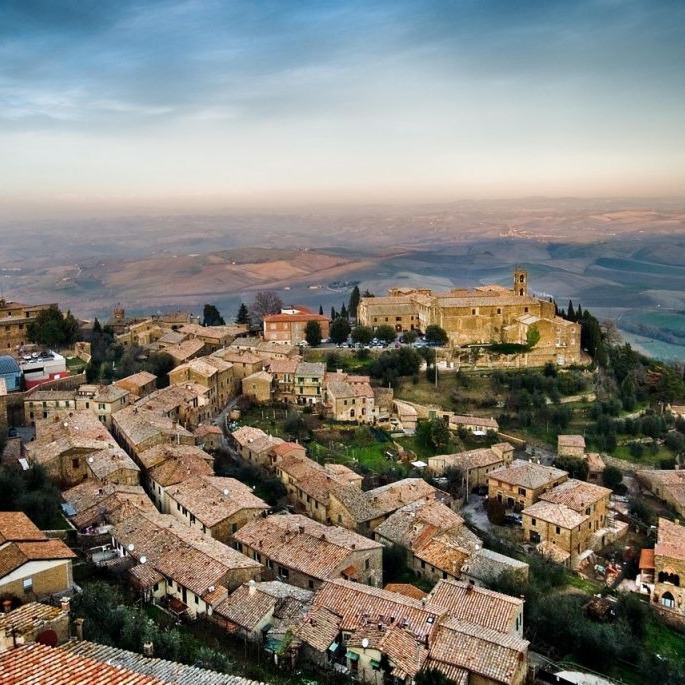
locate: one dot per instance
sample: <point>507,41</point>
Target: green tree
<point>354,302</point>
<point>362,335</point>
<point>612,477</point>
<point>312,333</point>
<point>532,337</point>
<point>243,315</point>
<point>343,312</point>
<point>432,676</point>
<point>320,310</point>
<point>340,330</point>
<point>436,335</point>
<point>386,333</point>
<point>211,316</point>
<point>577,468</point>
<point>409,337</point>
<point>52,329</point>
<point>160,363</point>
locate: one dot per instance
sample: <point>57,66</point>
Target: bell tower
<point>520,282</point>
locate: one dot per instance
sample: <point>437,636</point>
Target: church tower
<point>521,282</point>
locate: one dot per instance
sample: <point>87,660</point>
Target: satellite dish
<point>365,642</point>
<point>90,460</point>
<point>225,491</point>
<point>131,547</point>
<point>143,559</point>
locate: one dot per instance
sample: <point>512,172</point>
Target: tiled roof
<point>527,474</point>
<point>17,526</point>
<point>301,544</point>
<point>571,441</point>
<point>487,566</point>
<point>646,559</point>
<point>95,502</point>
<point>577,494</point>
<point>319,627</point>
<point>283,366</point>
<point>28,616</point>
<point>139,424</point>
<point>165,452</point>
<point>556,514</point>
<point>406,589</point>
<point>250,603</point>
<point>300,316</point>
<point>107,393</point>
<point>184,349</point>
<point>488,653</point>
<point>145,576</point>
<point>194,560</point>
<point>37,664</point>
<point>136,380</point>
<point>474,420</point>
<point>238,356</point>
<point>470,459</point>
<point>670,540</point>
<point>363,607</point>
<point>444,552</point>
<point>103,463</point>
<point>403,651</point>
<point>467,602</point>
<point>388,498</point>
<point>458,676</point>
<point>212,499</point>
<point>550,550</point>
<point>288,447</point>
<point>50,395</point>
<point>246,435</point>
<point>82,425</point>
<point>183,467</point>
<point>160,670</point>
<point>311,369</point>
<point>166,401</point>
<point>13,555</point>
<point>263,376</point>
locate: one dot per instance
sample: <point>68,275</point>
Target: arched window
<point>667,600</point>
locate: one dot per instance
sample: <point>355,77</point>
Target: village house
<point>303,552</point>
<point>669,566</point>
<point>138,429</point>
<point>309,484</point>
<point>571,446</point>
<point>265,349</point>
<point>477,425</point>
<point>258,386</point>
<point>217,507</point>
<point>522,483</point>
<point>138,384</point>
<point>309,382</point>
<point>34,622</point>
<point>141,333</point>
<point>91,505</point>
<point>212,373</point>
<point>31,564</point>
<point>406,415</point>
<point>283,372</point>
<point>74,446</point>
<point>245,362</point>
<point>289,325</point>
<point>43,404</point>
<point>214,337</point>
<point>184,350</point>
<point>263,612</point>
<point>209,437</point>
<point>169,465</point>
<point>482,315</point>
<point>172,561</point>
<point>15,318</point>
<point>475,465</point>
<point>350,398</point>
<point>436,539</point>
<point>595,467</point>
<point>103,400</point>
<point>484,567</point>
<point>254,445</point>
<point>667,485</point>
<point>376,634</point>
<point>188,404</point>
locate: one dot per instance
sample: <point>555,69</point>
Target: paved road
<point>476,512</point>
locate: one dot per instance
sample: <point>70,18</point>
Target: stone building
<point>522,483</point>
<point>669,566</point>
<point>15,319</point>
<point>481,315</point>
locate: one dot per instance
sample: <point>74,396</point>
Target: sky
<point>177,103</point>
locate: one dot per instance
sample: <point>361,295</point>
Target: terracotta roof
<point>406,656</point>
<point>302,544</point>
<point>167,401</point>
<point>571,441</point>
<point>283,366</point>
<point>145,576</point>
<point>185,466</point>
<point>107,462</point>
<point>486,608</point>
<point>527,474</point>
<point>389,498</point>
<point>136,380</point>
<point>72,424</point>
<point>469,459</point>
<point>311,369</point>
<point>139,424</point>
<point>29,616</point>
<point>319,627</point>
<point>486,565</point>
<point>36,663</point>
<point>552,551</point>
<point>406,589</point>
<point>288,447</point>
<point>300,316</point>
<point>595,462</point>
<point>556,514</point>
<point>577,494</point>
<point>212,499</point>
<point>17,526</point>
<point>184,350</point>
<point>165,452</point>
<point>13,555</point>
<point>474,420</point>
<point>238,356</point>
<point>670,540</point>
<point>445,553</point>
<point>479,650</point>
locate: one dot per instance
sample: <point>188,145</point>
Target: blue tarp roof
<point>8,365</point>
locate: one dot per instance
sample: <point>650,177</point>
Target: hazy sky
<point>183,101</point>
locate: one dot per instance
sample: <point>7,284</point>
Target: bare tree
<point>265,302</point>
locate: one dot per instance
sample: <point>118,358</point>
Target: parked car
<point>513,519</point>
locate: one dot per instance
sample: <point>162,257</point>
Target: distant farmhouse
<point>482,315</point>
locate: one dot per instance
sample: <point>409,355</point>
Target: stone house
<point>350,398</point>
<point>103,400</point>
<point>523,483</point>
<point>34,622</point>
<point>303,552</point>
<point>309,382</point>
<point>669,566</point>
<point>571,446</point>
<point>43,404</point>
<point>15,319</point>
<point>138,384</point>
<point>283,372</point>
<point>667,485</point>
<point>212,373</point>
<point>244,362</point>
<point>209,437</point>
<point>216,506</point>
<point>187,404</point>
<point>190,570</point>
<point>31,564</point>
<point>475,465</point>
<point>214,337</point>
<point>258,386</point>
<point>254,445</point>
<point>182,351</point>
<point>290,324</point>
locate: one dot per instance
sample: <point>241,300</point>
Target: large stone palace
<point>483,315</point>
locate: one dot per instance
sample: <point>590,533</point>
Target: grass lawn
<point>76,365</point>
<point>623,452</point>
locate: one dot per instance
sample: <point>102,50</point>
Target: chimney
<point>148,649</point>
<point>78,624</point>
<point>252,588</point>
<point>469,587</point>
<point>64,603</point>
<point>7,605</point>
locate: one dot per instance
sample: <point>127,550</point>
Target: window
<point>558,530</point>
<point>522,491</point>
<point>75,463</point>
<point>533,522</point>
<point>234,527</point>
<point>367,564</point>
<point>283,573</point>
<point>499,310</point>
<point>311,584</point>
<point>28,584</point>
